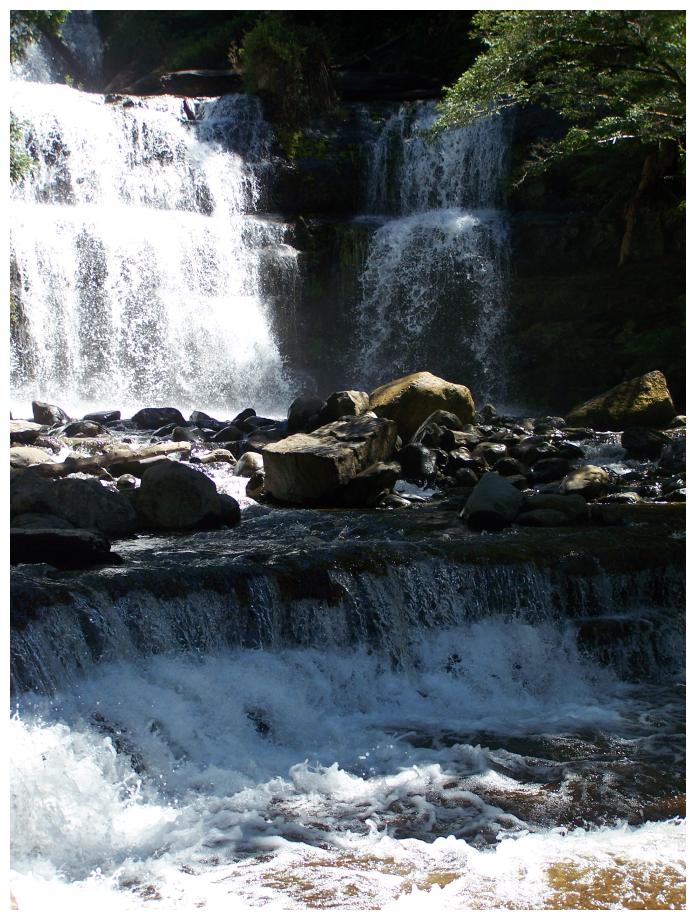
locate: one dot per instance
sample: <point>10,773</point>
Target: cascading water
<point>136,255</point>
<point>435,279</point>
<point>286,720</point>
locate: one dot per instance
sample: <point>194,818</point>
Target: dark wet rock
<point>677,495</point>
<point>368,487</point>
<point>303,414</point>
<point>165,431</point>
<point>255,487</point>
<point>46,414</point>
<point>248,464</point>
<point>229,513</point>
<point>394,501</point>
<point>22,457</point>
<point>306,468</point>
<point>193,435</point>
<point>227,434</point>
<point>451,439</point>
<point>465,476</point>
<point>574,507</point>
<point>550,469</point>
<point>589,481</point>
<point>531,450</point>
<point>152,418</point>
<point>243,416</point>
<point>569,450</point>
<point>679,421</point>
<point>23,432</point>
<point>487,413</point>
<point>203,420</point>
<point>489,451</point>
<point>542,517</point>
<point>493,504</point>
<point>642,401</point>
<point>37,521</point>
<point>411,399</point>
<point>432,430</point>
<point>344,403</point>
<point>126,483</point>
<point>85,503</point>
<point>643,443</point>
<point>509,466</point>
<point>255,423</point>
<point>417,462</point>
<point>83,429</point>
<point>257,440</point>
<point>174,496</point>
<point>549,423</point>
<point>136,466</point>
<point>622,498</point>
<point>673,456</point>
<point>103,417</point>
<point>519,482</point>
<point>72,549</point>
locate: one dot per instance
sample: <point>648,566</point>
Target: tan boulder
<point>642,401</point>
<point>589,481</point>
<point>308,468</point>
<point>411,399</point>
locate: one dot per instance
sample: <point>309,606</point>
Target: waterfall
<point>137,253</point>
<point>434,284</point>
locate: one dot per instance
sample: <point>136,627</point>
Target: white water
<point>272,777</point>
<point>434,286</point>
<point>138,256</point>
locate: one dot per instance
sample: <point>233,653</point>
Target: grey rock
<point>589,481</point>
<point>71,549</point>
<point>493,504</point>
<point>248,464</point>
<point>174,496</point>
<point>85,503</point>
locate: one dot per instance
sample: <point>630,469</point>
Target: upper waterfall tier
<point>136,253</point>
<point>412,171</point>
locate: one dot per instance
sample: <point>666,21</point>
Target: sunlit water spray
<point>136,255</point>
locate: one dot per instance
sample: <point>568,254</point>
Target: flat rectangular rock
<point>304,468</point>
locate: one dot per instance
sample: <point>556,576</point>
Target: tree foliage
<point>617,76</point>
<point>27,26</point>
<point>287,64</point>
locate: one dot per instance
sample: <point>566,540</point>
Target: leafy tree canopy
<point>617,76</point>
<point>27,26</point>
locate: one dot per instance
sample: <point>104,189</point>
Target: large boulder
<point>84,503</point>
<point>493,504</point>
<point>642,401</point>
<point>174,496</point>
<point>308,468</point>
<point>411,399</point>
<point>248,464</point>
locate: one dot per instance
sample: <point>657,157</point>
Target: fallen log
<point>97,462</point>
